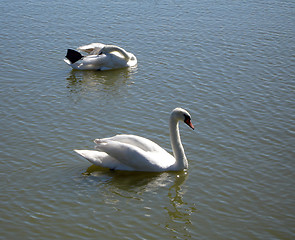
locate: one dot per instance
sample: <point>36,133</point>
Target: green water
<point>229,63</point>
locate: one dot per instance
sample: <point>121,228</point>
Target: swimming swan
<point>135,153</point>
<point>101,57</point>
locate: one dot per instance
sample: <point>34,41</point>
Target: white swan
<point>101,57</point>
<point>134,153</point>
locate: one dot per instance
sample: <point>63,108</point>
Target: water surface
<point>229,63</point>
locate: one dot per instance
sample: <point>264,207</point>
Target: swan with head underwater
<point>135,153</point>
<point>100,57</point>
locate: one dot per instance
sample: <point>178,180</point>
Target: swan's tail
<point>101,159</point>
<point>73,56</point>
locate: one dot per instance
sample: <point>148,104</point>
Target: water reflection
<point>89,80</point>
<point>179,211</point>
<point>131,182</point>
<point>133,185</point>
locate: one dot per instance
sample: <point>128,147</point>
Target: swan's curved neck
<point>112,48</point>
<point>178,151</point>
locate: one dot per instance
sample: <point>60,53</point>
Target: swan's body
<point>134,153</point>
<point>101,57</point>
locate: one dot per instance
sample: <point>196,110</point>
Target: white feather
<point>103,57</point>
<point>134,153</point>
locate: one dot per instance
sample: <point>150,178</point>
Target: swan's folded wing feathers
<point>141,142</point>
<point>101,159</point>
<point>91,62</point>
<point>134,156</point>
<point>92,48</point>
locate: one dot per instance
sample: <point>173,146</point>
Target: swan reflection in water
<point>133,185</point>
<point>136,182</point>
<point>179,211</point>
<point>79,81</point>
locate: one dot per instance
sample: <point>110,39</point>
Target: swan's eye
<point>187,118</point>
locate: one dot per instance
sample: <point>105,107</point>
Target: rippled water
<point>230,63</point>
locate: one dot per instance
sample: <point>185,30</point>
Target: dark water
<point>230,63</point>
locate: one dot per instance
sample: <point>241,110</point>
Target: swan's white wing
<point>92,48</point>
<point>120,56</point>
<point>102,159</point>
<point>135,157</point>
<point>100,62</point>
<point>141,142</point>
<point>91,62</point>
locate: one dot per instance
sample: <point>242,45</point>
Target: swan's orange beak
<point>189,123</point>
